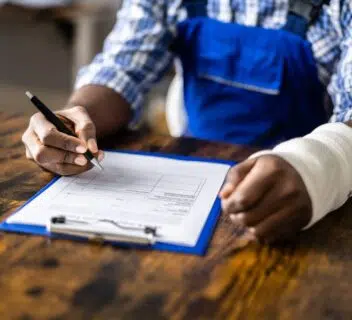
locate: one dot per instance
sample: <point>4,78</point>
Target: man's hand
<point>267,195</point>
<point>56,151</point>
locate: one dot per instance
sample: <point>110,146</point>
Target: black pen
<point>52,118</point>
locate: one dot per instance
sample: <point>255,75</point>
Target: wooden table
<point>309,278</point>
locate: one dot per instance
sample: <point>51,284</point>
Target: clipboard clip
<point>63,225</point>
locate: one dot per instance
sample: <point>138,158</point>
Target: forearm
<point>323,159</point>
<point>128,64</point>
<point>108,110</point>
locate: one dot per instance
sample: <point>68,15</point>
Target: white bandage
<point>323,158</point>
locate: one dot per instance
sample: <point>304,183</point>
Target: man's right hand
<point>56,151</point>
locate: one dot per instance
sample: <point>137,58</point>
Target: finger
<point>39,120</point>
<point>101,156</point>
<point>44,155</point>
<point>271,203</point>
<point>235,176</point>
<point>24,141</point>
<point>282,225</point>
<point>28,154</point>
<point>59,140</point>
<point>84,126</point>
<point>251,189</point>
<point>50,136</point>
<point>66,169</point>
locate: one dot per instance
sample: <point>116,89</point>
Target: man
<point>254,73</point>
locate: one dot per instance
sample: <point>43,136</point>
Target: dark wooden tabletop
<point>307,278</point>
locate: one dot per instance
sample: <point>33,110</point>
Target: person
<point>255,73</point>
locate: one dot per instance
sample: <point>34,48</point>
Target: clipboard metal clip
<point>63,225</point>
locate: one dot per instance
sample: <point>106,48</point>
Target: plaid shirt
<point>135,54</point>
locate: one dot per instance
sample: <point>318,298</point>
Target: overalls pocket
<point>237,84</point>
<point>256,71</point>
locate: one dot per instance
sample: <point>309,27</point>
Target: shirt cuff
<point>116,80</point>
<point>342,117</point>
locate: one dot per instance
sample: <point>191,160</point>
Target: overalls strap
<point>195,8</point>
<point>302,14</point>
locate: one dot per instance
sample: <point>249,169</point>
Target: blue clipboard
<point>203,240</point>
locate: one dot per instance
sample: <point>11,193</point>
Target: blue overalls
<point>247,85</point>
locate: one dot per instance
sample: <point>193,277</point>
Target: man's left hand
<point>267,195</point>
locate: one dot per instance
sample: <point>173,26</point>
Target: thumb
<point>235,176</point>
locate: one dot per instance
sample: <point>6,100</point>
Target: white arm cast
<point>323,159</point>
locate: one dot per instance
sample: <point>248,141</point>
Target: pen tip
<point>97,164</point>
<point>29,95</point>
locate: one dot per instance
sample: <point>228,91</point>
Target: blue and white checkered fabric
<point>136,52</point>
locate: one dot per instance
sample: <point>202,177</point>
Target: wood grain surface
<point>307,278</point>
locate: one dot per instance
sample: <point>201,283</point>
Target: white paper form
<point>174,195</point>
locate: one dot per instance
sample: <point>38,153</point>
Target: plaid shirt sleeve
<point>135,53</point>
<point>340,87</point>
